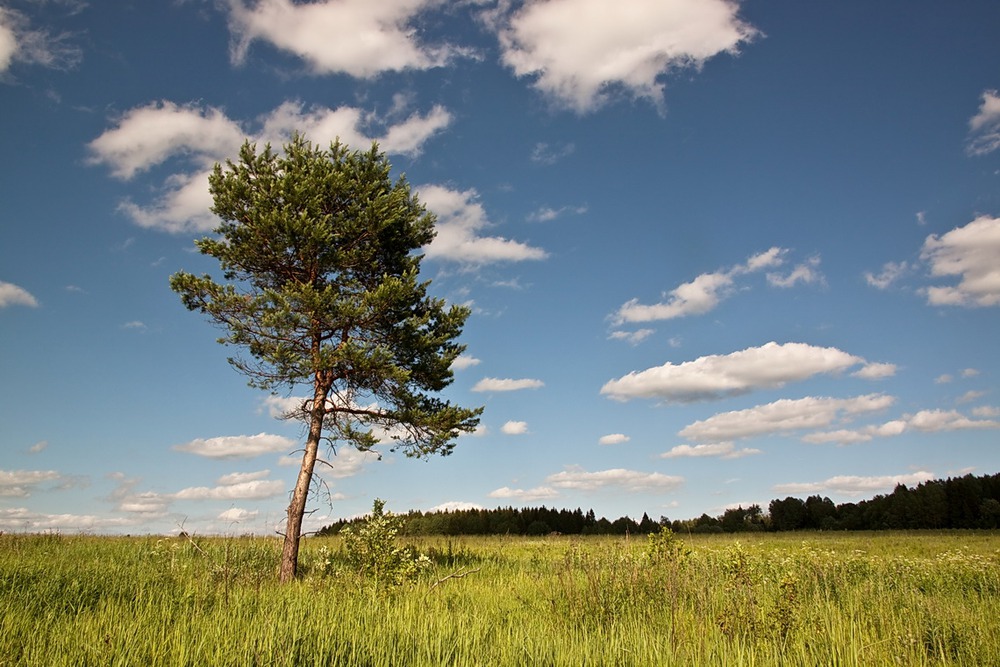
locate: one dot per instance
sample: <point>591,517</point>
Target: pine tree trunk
<point>297,507</point>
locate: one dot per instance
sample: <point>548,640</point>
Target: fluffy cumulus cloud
<point>705,292</point>
<point>723,450</point>
<point>850,485</point>
<point>192,138</point>
<point>237,446</point>
<point>616,478</point>
<point>506,384</point>
<point>783,416</point>
<point>12,295</point>
<point>984,127</point>
<point>461,221</point>
<point>971,253</point>
<point>356,37</point>
<point>147,136</point>
<point>20,483</point>
<point>514,428</point>
<point>580,51</point>
<point>613,439</point>
<point>715,376</point>
<point>235,486</point>
<point>464,361</point>
<point>524,495</point>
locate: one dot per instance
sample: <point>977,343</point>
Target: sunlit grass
<point>787,599</point>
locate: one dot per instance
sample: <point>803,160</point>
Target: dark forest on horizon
<point>967,502</point>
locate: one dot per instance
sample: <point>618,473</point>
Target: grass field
<point>758,599</point>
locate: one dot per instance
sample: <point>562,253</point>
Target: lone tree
<point>320,254</point>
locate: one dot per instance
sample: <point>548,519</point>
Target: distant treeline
<point>959,502</point>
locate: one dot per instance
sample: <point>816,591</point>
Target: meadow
<point>830,598</point>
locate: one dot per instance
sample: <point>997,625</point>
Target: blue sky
<point>717,253</point>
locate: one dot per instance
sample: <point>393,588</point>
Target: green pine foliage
<point>319,251</point>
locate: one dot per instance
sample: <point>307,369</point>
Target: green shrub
<point>372,552</point>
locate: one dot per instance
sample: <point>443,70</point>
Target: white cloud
<point>20,483</point>
<point>525,495</point>
<point>21,42</point>
<point>972,252</point>
<point>237,446</point>
<point>632,337</point>
<point>769,366</point>
<point>39,446</point>
<point>783,416</point>
<point>184,206</point>
<point>986,411</point>
<point>970,373</point>
<point>408,137</point>
<point>23,519</point>
<point>251,490</point>
<point>149,135</point>
<point>242,477</point>
<point>933,421</point>
<point>12,295</point>
<point>347,462</point>
<point>147,503</point>
<point>455,505</point>
<point>506,384</point>
<point>548,214</point>
<point>619,478</point>
<point>238,515</point>
<point>356,37</point>
<point>8,41</point>
<point>762,260</point>
<point>461,219</point>
<point>514,428</point>
<point>849,485</point>
<point>891,272</point>
<point>970,396</point>
<point>854,436</point>
<point>806,273</point>
<point>464,361</point>
<point>156,133</point>
<point>725,450</point>
<point>926,421</point>
<point>693,298</point>
<point>578,51</point>
<point>548,155</point>
<point>984,127</point>
<point>613,439</point>
<point>700,295</point>
<point>876,371</point>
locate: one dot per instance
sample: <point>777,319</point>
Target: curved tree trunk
<point>297,507</point>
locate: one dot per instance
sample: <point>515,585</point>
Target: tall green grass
<point>803,599</point>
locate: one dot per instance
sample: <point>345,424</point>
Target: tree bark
<point>297,507</point>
